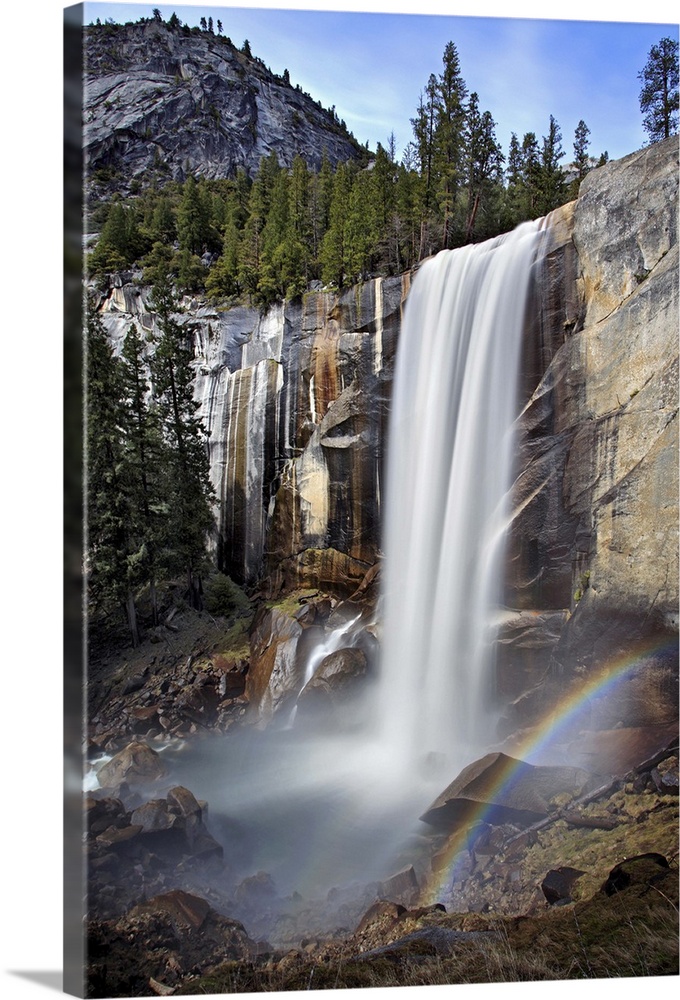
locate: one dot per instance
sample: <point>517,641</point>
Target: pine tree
<point>145,459</point>
<point>193,219</point>
<point>332,247</point>
<point>423,130</point>
<point>189,493</point>
<point>451,94</point>
<point>385,237</point>
<point>223,277</point>
<point>320,197</point>
<point>270,284</point>
<point>581,143</point>
<point>406,217</point>
<point>259,200</point>
<point>659,93</point>
<point>359,231</point>
<point>109,545</point>
<point>120,243</point>
<point>581,157</point>
<point>163,228</point>
<point>484,164</point>
<point>551,186</point>
<point>515,184</point>
<point>531,167</point>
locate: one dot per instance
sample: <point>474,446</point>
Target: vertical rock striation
<point>294,402</point>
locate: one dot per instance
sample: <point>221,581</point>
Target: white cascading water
<point>449,469</point>
<point>328,807</point>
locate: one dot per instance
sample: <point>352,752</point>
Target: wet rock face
<point>594,536</point>
<point>295,406</point>
<point>173,103</point>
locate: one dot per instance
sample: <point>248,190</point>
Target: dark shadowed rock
<point>559,882</point>
<point>154,816</point>
<point>164,938</point>
<point>643,869</point>
<point>101,814</point>
<point>503,790</point>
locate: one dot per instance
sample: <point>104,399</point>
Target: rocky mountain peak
<point>172,101</point>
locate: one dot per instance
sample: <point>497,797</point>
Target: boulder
<point>154,817</point>
<point>643,869</point>
<point>255,890</point>
<point>402,887</point>
<point>183,802</point>
<point>501,789</point>
<point>383,912</point>
<point>559,882</point>
<point>275,671</point>
<point>665,776</point>
<point>336,680</point>
<point>119,838</point>
<point>136,764</point>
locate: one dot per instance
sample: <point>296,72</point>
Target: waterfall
<point>449,467</point>
<point>331,801</point>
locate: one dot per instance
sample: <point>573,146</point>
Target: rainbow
<point>560,726</point>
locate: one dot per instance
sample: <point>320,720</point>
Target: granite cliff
<point>593,561</point>
<point>176,102</point>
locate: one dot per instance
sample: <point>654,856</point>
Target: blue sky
<point>373,66</point>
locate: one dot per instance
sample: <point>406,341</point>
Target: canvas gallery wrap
<point>372,529</point>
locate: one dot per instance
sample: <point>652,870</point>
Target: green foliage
<point>659,92</point>
<point>189,493</point>
<point>225,598</point>
<point>120,243</point>
<point>111,544</point>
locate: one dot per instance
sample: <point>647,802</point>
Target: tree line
<point>269,236</point>
<point>148,491</point>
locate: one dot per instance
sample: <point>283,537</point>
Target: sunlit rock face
<point>159,100</point>
<point>594,536</point>
<point>296,412</point>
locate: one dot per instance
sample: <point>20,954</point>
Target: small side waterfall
<point>449,465</point>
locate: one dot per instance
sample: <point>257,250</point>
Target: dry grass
<point>632,934</point>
